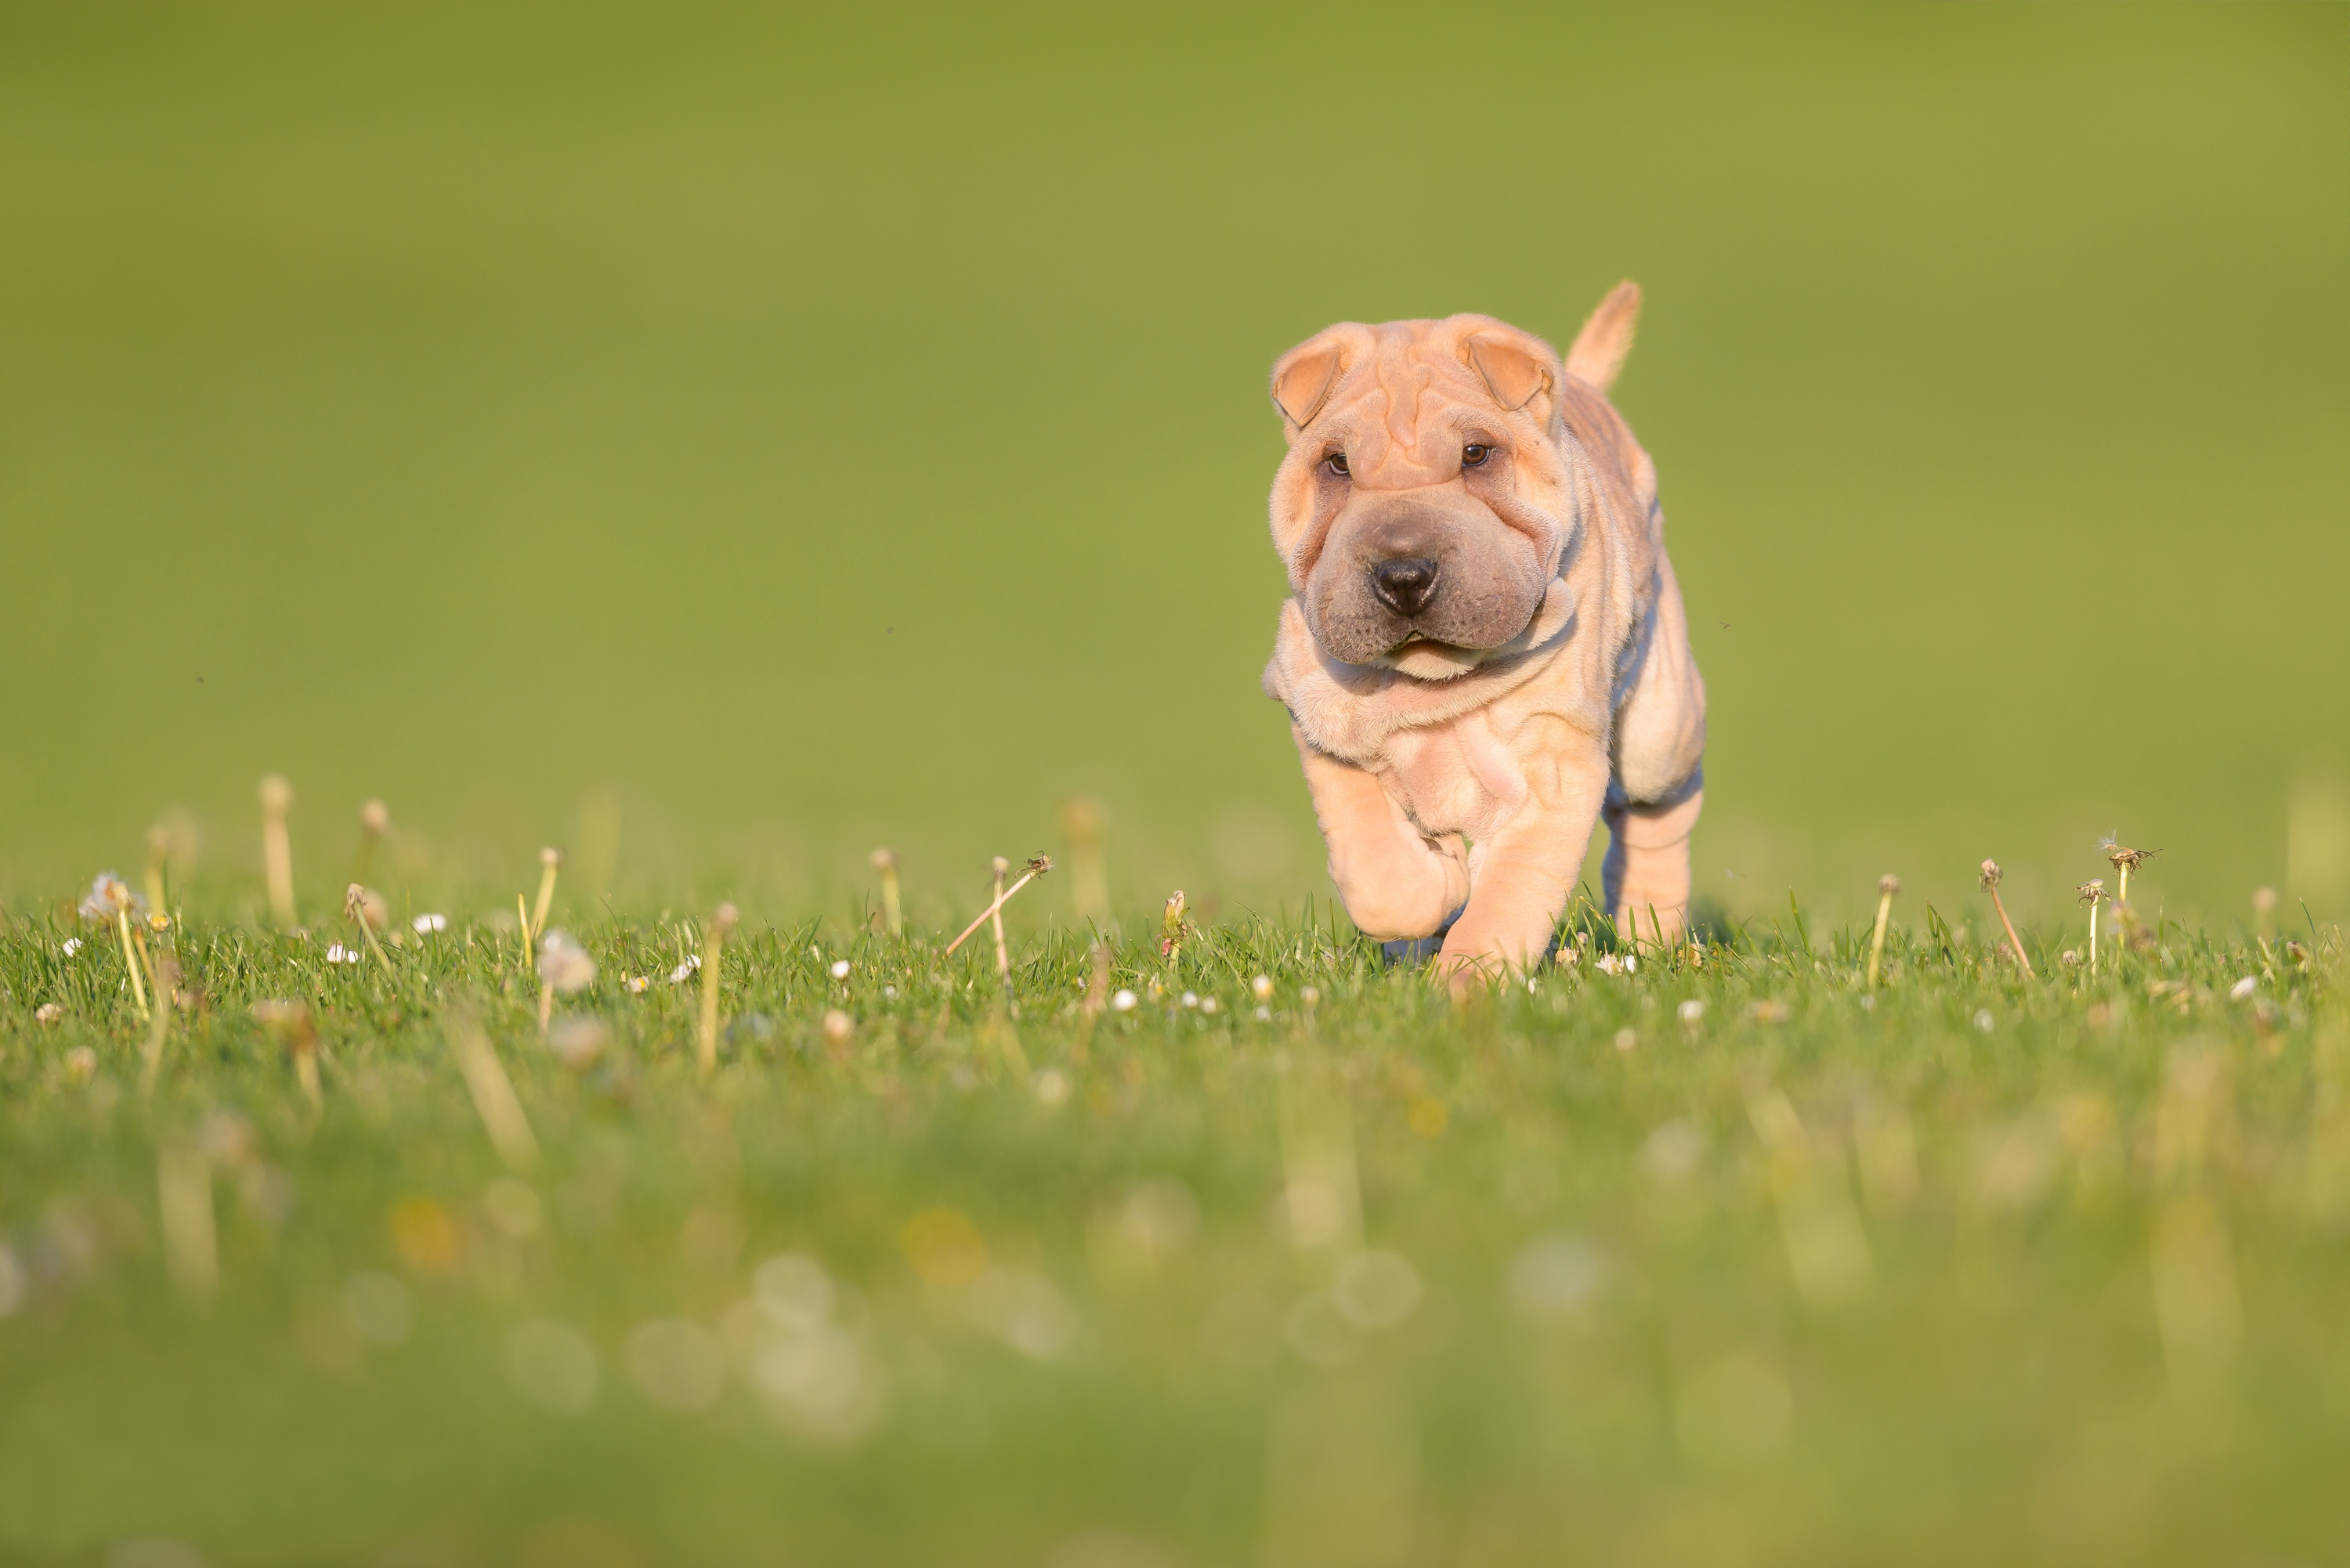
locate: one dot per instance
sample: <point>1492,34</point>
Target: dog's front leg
<point>1530,864</point>
<point>1395,881</point>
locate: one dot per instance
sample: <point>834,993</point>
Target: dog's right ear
<point>1304,377</point>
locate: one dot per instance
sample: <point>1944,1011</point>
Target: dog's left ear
<point>1514,373</point>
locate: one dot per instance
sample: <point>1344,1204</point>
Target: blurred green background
<point>807,428</point>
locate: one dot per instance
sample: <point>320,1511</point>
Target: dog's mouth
<point>1427,659</point>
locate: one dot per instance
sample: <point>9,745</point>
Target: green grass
<point>1992,1270</point>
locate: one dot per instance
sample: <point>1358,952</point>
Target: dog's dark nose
<point>1405,584</point>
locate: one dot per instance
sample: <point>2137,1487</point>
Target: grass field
<point>1717,1258</point>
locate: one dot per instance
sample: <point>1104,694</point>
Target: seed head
<point>276,795</point>
<point>1991,874</point>
<point>2264,900</point>
<point>2092,891</point>
<point>885,860</point>
<point>1888,885</point>
<point>724,918</point>
<point>376,817</point>
<point>111,896</point>
<point>550,856</point>
<point>2125,858</point>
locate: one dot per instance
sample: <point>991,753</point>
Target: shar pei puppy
<point>1484,651</point>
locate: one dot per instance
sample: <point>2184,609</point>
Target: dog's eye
<point>1475,454</point>
<point>1337,463</point>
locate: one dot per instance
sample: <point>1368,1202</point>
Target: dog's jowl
<point>1485,650</point>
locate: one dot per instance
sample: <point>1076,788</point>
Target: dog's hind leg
<point>1658,787</point>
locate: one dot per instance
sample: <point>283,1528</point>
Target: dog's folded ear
<point>1302,378</point>
<point>1599,348</point>
<point>1513,373</point>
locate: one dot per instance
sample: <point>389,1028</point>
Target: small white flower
<point>1190,999</point>
<point>2243,988</point>
<point>1692,1009</point>
<point>563,964</point>
<point>1627,1039</point>
<point>1265,1015</point>
<point>637,984</point>
<point>1210,1005</point>
<point>1609,963</point>
<point>72,946</point>
<point>1262,988</point>
<point>1051,1086</point>
<point>889,994</point>
<point>430,925</point>
<point>685,971</point>
<point>1123,1001</point>
<point>840,969</point>
<point>1631,963</point>
<point>1985,1021</point>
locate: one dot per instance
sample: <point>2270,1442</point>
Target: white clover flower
<point>1123,1001</point>
<point>1692,1009</point>
<point>1190,999</point>
<point>430,925</point>
<point>840,969</point>
<point>1210,1005</point>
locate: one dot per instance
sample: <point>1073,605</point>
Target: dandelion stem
<point>159,1026</point>
<point>130,961</point>
<point>2009,926</point>
<point>276,849</point>
<point>1887,886</point>
<point>893,918</point>
<point>493,1093</point>
<point>522,909</point>
<point>1036,868</point>
<point>355,901</point>
<point>713,947</point>
<point>549,860</point>
<point>995,918</point>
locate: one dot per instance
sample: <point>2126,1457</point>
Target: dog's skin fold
<point>1485,650</point>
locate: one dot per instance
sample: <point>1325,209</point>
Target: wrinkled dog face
<point>1423,505</point>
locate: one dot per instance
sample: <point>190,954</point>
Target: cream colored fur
<point>1443,773</point>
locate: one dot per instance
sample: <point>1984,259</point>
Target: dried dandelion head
<point>885,860</point>
<point>1888,885</point>
<point>724,918</point>
<point>108,897</point>
<point>1991,875</point>
<point>1039,864</point>
<point>366,906</point>
<point>2264,900</point>
<point>276,795</point>
<point>563,964</point>
<point>2092,891</point>
<point>2124,857</point>
<point>376,818</point>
